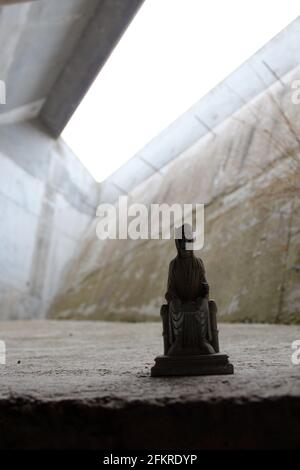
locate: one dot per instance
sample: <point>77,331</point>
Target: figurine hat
<point>185,232</point>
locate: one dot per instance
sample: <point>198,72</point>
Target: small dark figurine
<point>191,344</point>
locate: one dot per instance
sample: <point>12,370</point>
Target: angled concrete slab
<point>97,41</point>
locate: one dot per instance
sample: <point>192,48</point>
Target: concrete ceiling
<point>52,51</point>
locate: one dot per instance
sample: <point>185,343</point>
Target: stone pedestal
<point>212,364</point>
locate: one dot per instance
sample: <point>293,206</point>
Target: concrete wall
<point>229,154</point>
<point>47,200</point>
<point>247,173</point>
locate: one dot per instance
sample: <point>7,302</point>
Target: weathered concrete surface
<point>247,174</point>
<point>87,385</point>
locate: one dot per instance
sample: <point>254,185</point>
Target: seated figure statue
<point>190,333</point>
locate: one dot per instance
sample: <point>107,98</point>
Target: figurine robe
<point>189,330</point>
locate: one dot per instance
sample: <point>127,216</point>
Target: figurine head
<point>184,238</point>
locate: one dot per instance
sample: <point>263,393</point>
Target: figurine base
<point>212,364</point>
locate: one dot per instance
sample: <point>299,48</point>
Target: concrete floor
<point>87,384</point>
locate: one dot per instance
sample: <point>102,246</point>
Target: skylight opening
<point>172,54</point>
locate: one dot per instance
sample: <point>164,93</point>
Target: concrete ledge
<point>87,385</point>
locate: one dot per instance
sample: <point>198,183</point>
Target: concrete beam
<point>99,38</point>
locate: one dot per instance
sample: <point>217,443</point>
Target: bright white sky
<point>172,54</point>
